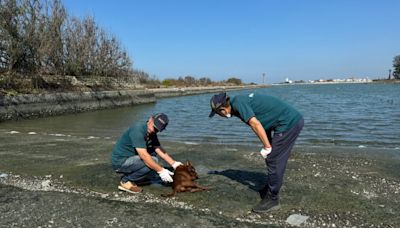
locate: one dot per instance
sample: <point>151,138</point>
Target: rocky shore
<point>42,105</point>
<point>66,181</point>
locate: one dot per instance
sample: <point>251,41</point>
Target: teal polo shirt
<point>274,114</point>
<point>135,137</point>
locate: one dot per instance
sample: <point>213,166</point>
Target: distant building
<point>288,81</point>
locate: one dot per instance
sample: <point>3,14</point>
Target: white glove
<point>176,164</point>
<point>264,152</point>
<point>165,175</point>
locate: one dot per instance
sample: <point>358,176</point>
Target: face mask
<point>228,115</point>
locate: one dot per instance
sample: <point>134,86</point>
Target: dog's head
<point>191,170</point>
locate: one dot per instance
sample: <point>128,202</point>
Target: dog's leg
<point>201,187</point>
<point>170,194</point>
<point>196,190</point>
<point>196,187</point>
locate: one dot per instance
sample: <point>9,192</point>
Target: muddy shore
<point>66,187</point>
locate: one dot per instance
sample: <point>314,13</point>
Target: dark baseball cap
<point>216,102</point>
<point>160,121</point>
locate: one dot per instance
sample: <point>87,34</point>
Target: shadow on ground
<point>253,180</point>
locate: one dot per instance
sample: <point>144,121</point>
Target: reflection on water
<point>340,114</point>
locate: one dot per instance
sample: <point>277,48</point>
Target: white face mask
<point>228,115</point>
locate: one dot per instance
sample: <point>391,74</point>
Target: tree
<point>20,29</point>
<point>52,47</point>
<point>190,81</point>
<point>37,36</point>
<point>396,66</point>
<point>204,81</point>
<point>234,81</point>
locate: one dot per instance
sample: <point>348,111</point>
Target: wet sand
<point>66,181</point>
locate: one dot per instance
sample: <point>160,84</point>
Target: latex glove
<point>265,151</point>
<point>165,175</point>
<point>176,164</point>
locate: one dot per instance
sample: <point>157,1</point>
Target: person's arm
<point>259,130</point>
<point>145,156</point>
<point>165,156</point>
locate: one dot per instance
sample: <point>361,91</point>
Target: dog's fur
<point>184,177</point>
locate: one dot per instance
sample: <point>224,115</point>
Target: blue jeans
<point>134,169</point>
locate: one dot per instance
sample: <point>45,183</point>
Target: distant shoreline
<point>328,83</point>
<point>27,106</point>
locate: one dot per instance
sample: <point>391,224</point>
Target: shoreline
<point>331,189</point>
<point>43,105</point>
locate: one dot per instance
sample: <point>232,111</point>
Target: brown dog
<point>184,177</point>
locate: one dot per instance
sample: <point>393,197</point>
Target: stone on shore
<point>296,219</point>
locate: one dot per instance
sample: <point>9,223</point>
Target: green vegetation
<point>42,49</point>
<point>204,81</point>
<point>38,38</point>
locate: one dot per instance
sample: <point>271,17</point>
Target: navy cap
<point>160,121</point>
<point>216,102</point>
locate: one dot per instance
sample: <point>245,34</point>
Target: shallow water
<point>355,115</point>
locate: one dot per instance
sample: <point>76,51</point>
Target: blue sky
<point>299,39</point>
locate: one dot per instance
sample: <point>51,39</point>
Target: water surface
<point>355,115</point>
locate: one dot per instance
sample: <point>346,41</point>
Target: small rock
<point>46,183</point>
<point>104,195</point>
<point>296,219</point>
<point>3,175</point>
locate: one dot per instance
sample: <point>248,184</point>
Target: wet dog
<point>184,177</point>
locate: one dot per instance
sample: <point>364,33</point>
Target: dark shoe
<point>267,204</point>
<point>263,192</point>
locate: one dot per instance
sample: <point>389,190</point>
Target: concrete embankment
<point>42,105</point>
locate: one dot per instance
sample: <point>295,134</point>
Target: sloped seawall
<point>42,105</point>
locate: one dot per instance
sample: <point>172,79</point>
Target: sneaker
<point>267,204</point>
<point>263,192</point>
<point>129,187</point>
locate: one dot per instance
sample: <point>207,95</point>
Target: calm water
<point>355,115</point>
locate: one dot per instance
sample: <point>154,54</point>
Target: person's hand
<point>165,175</point>
<point>176,164</point>
<point>265,151</point>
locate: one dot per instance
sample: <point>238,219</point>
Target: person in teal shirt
<point>135,154</point>
<point>276,124</point>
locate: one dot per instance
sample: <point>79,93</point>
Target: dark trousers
<point>282,144</point>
